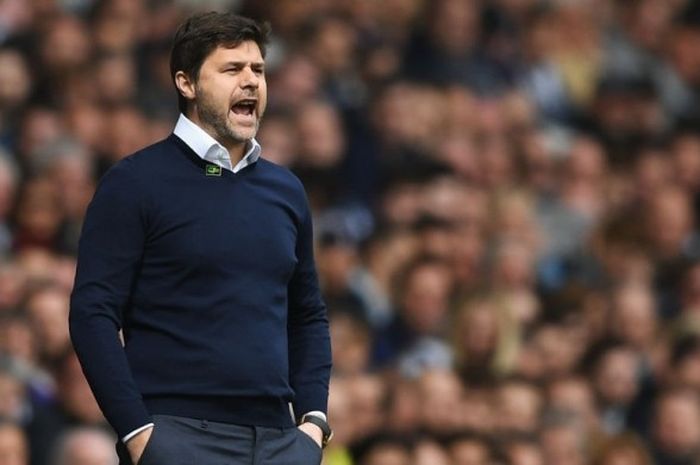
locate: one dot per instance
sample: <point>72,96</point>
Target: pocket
<point>147,451</point>
<point>310,443</point>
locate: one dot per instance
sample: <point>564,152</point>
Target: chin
<point>244,136</point>
<point>245,133</point>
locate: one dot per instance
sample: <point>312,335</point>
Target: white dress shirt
<point>208,149</point>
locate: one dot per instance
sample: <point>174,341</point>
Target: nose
<point>249,79</point>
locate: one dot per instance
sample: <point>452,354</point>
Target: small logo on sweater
<point>212,170</point>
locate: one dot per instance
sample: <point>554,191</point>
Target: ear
<point>185,85</point>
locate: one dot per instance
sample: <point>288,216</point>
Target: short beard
<point>219,123</point>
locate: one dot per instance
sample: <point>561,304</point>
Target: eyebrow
<point>243,63</point>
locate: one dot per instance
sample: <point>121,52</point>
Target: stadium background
<point>505,196</point>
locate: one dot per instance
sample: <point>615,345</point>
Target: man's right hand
<point>137,444</point>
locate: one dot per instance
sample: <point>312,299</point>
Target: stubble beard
<point>211,116</point>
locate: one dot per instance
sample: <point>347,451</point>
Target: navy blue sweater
<point>212,280</point>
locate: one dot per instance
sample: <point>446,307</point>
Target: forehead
<point>247,51</point>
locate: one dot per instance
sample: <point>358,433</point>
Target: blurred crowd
<point>506,196</point>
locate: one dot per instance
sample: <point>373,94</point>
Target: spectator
<point>622,449</point>
<point>499,190</point>
<point>676,427</point>
<point>85,446</point>
<point>13,444</point>
<point>383,450</point>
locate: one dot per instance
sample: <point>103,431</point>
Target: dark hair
<point>202,33</point>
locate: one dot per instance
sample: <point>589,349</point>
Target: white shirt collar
<point>207,148</point>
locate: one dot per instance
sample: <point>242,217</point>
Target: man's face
<point>231,93</point>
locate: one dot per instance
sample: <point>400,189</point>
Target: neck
<point>236,148</point>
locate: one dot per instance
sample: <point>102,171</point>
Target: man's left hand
<point>313,431</point>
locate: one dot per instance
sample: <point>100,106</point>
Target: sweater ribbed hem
<point>254,411</point>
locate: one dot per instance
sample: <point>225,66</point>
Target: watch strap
<point>325,428</point>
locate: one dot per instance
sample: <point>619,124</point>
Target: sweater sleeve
<point>309,339</point>
<point>109,256</point>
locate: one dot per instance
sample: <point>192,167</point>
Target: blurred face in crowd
<point>115,78</point>
<point>40,126</point>
<point>634,316</point>
<point>320,135</point>
<point>48,312</point>
<point>562,445</point>
<point>18,340</point>
<point>426,298</point>
<point>407,114</point>
<point>126,130</point>
<point>12,285</point>
<point>524,453</point>
<point>340,411</point>
<point>404,408</point>
<point>430,453</point>
<point>351,345</point>
<point>690,291</point>
<point>616,376</point>
<point>15,80</point>
<point>39,213</point>
<point>478,331</point>
<point>118,25</point>
<point>75,394</point>
<point>478,412</point>
<point>573,394</point>
<point>585,170</point>
<point>684,55</point>
<point>669,221</point>
<point>652,171</point>
<point>12,397</point>
<point>676,426</point>
<point>13,446</point>
<point>367,394</point>
<point>630,453</point>
<point>441,398</point>
<point>686,160</point>
<point>66,44</point>
<point>333,46</point>
<point>278,136</point>
<point>687,370</point>
<point>72,174</point>
<point>37,267</point>
<point>519,405</point>
<point>228,97</point>
<point>557,350</point>
<point>649,21</point>
<point>86,122</point>
<point>454,25</point>
<point>469,451</point>
<point>387,455</point>
<point>513,265</point>
<point>87,447</point>
<point>297,81</point>
<point>335,263</point>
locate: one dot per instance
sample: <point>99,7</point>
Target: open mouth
<point>244,107</point>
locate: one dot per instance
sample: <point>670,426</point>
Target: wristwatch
<point>327,431</point>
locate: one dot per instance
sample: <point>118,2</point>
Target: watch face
<point>326,440</point>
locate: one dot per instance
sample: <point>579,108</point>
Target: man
<point>13,444</point>
<point>201,252</point>
<point>84,446</point>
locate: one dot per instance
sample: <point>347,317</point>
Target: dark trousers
<point>187,441</point>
